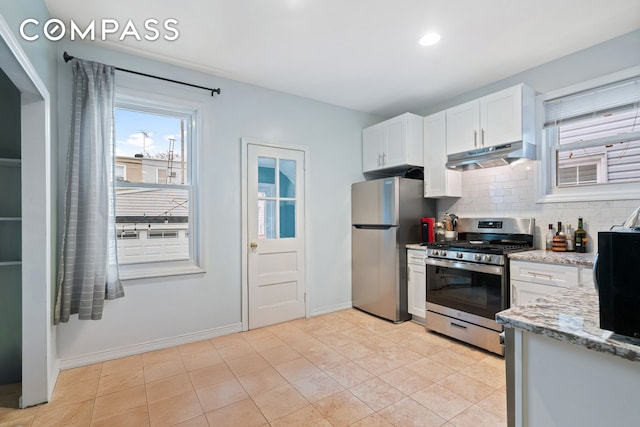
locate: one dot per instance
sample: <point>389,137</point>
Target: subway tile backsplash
<point>510,191</point>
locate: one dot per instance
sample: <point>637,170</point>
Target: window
<point>591,133</point>
<point>166,234</point>
<point>128,235</point>
<point>121,172</point>
<point>154,179</point>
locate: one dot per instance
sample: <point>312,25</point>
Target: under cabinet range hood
<point>488,157</point>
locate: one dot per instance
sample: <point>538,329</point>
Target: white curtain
<point>88,269</point>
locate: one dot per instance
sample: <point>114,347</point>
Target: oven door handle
<point>480,268</point>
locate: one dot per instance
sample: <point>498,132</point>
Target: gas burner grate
<point>480,246</point>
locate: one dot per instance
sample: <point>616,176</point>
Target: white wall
<point>166,308</point>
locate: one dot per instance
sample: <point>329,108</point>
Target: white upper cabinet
<point>372,147</point>
<point>394,143</point>
<point>499,118</point>
<point>463,125</point>
<point>438,180</point>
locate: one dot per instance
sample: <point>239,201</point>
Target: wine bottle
<point>570,242</point>
<point>580,238</point>
<point>559,232</point>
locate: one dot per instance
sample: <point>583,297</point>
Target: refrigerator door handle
<point>374,226</point>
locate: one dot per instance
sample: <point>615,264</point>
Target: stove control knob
<point>435,252</point>
<point>443,253</point>
<point>487,258</point>
<point>477,257</point>
<point>459,255</point>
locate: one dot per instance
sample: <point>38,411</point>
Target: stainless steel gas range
<point>468,279</point>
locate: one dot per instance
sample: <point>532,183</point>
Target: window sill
<point>586,194</point>
<point>147,271</point>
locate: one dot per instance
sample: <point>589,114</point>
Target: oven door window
<point>469,291</point>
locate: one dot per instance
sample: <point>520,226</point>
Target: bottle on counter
<point>580,238</point>
<point>549,241</point>
<point>439,233</point>
<point>570,243</point>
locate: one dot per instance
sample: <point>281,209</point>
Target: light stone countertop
<point>571,258</point>
<point>571,316</point>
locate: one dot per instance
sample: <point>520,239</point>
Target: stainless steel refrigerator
<point>385,216</point>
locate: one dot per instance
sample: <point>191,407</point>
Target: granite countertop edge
<point>570,258</point>
<point>571,316</point>
<point>417,246</point>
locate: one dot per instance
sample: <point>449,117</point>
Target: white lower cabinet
<point>526,292</point>
<point>416,284</point>
<point>532,280</point>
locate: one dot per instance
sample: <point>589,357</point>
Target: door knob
<point>253,245</point>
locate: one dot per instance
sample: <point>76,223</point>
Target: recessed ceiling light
<point>430,39</point>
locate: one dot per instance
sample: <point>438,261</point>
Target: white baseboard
<point>129,350</point>
<point>330,309</point>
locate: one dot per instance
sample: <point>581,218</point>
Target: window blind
<point>616,97</point>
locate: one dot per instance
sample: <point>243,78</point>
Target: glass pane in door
<point>267,176</point>
<point>266,219</point>
<point>287,219</point>
<point>287,178</point>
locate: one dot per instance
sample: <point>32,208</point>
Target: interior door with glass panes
<point>276,287</point>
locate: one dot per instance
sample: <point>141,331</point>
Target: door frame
<point>244,240</point>
<point>39,350</point>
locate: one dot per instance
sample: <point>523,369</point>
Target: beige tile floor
<point>341,369</point>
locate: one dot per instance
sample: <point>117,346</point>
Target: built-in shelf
<point>4,162</point>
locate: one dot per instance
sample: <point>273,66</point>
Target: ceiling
<point>363,54</point>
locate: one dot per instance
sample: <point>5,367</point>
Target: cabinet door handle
<point>546,276</point>
<point>475,139</point>
<point>482,137</point>
<point>379,159</point>
<point>383,156</point>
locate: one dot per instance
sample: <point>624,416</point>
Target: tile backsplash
<point>509,191</point>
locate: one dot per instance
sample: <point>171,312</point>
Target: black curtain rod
<point>68,58</point>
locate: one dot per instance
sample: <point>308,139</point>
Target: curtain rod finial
<point>66,56</point>
<point>216,90</point>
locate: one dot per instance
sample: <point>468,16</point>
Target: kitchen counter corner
<point>571,316</point>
